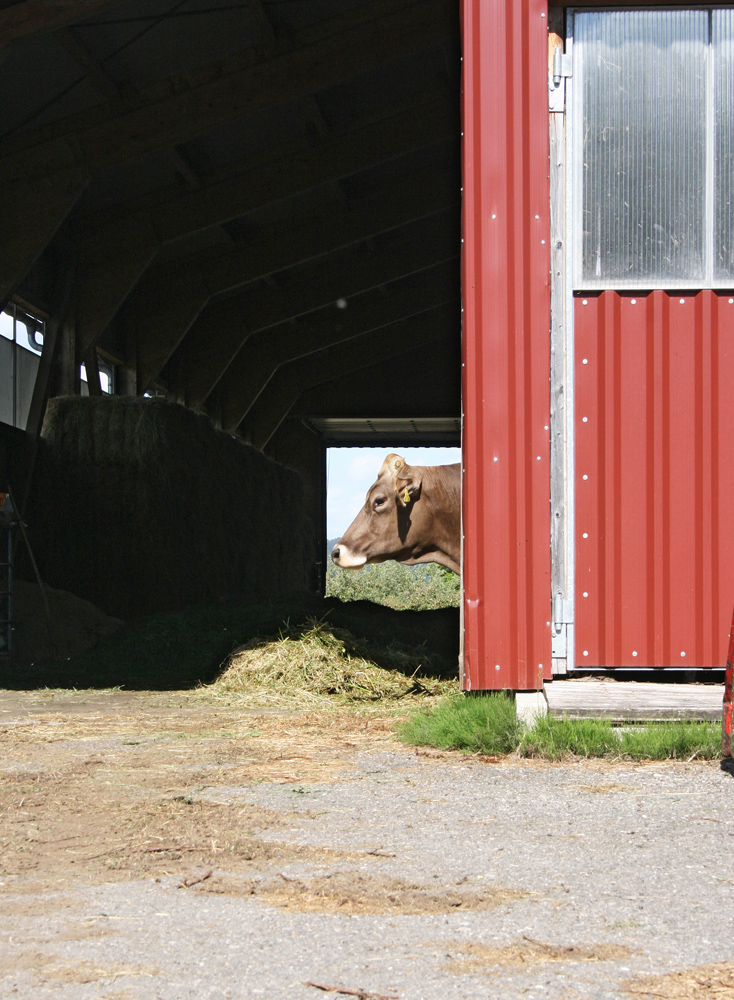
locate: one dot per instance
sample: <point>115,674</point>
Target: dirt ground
<point>156,845</point>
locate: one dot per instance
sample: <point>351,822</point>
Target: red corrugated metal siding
<point>655,515</point>
<point>506,563</point>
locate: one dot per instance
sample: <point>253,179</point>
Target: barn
<point>237,233</point>
<point>598,338</point>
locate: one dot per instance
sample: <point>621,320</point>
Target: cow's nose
<point>335,553</point>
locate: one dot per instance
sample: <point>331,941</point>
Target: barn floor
<point>157,846</point>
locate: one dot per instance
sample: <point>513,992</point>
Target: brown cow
<point>411,514</point>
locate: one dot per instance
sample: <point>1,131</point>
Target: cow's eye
<point>380,502</point>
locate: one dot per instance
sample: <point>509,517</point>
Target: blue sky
<point>351,471</point>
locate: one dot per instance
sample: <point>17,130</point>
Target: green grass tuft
<point>482,724</point>
<point>673,740</point>
<point>488,724</point>
<point>554,739</point>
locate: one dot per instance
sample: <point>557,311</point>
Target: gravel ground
<point>574,880</point>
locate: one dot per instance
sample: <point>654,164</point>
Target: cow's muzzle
<point>341,555</point>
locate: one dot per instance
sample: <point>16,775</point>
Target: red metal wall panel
<point>505,279</point>
<point>654,478</point>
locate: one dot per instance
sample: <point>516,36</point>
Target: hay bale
<point>141,505</point>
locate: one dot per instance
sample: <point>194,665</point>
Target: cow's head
<point>388,526</point>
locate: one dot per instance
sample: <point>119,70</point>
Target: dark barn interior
<point>248,209</point>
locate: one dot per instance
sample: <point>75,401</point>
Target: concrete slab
<point>530,705</point>
<point>627,701</point>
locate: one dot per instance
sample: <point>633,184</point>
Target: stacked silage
<point>140,505</point>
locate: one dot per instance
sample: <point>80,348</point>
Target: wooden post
<point>52,338</point>
<point>91,365</point>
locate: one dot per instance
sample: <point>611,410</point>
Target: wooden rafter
<point>92,68</point>
<point>38,17</point>
<point>327,55</point>
<point>276,402</point>
<point>173,297</point>
<point>119,251</point>
<point>323,56</point>
<point>260,359</point>
<point>226,326</point>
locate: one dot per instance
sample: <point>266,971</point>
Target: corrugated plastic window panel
<point>723,49</point>
<point>643,142</point>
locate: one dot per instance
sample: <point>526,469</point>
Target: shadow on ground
<point>182,649</point>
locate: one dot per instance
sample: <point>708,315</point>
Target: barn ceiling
<point>251,206</point>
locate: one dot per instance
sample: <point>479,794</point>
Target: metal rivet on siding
<point>546,427</point>
<point>584,302</point>
<point>537,216</point>
<point>543,242</point>
<point>585,594</point>
<point>585,420</point>
<point>586,652</point>
<point>496,666</point>
<point>538,459</point>
<point>634,652</point>
<point>731,302</point>
<point>586,534</point>
<point>584,361</point>
<point>682,301</point>
<point>494,216</point>
<point>682,653</point>
<point>633,302</point>
<point>584,477</point>
<point>547,623</point>
<point>496,459</point>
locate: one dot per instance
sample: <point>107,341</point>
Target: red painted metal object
<point>728,708</point>
<point>506,345</point>
<point>654,478</point>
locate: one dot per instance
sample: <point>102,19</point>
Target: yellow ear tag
<point>406,496</point>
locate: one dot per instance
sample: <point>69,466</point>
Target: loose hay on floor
<point>318,665</point>
<point>470,957</point>
<point>45,968</point>
<point>351,893</point>
<point>707,982</point>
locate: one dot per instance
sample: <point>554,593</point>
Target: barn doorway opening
<point>349,474</point>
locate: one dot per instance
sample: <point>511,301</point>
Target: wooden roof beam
<point>380,391</point>
<point>324,55</point>
<point>38,17</point>
<point>93,70</point>
<point>172,298</point>
<point>329,53</point>
<point>259,361</point>
<point>116,254</point>
<point>282,392</point>
<point>225,327</point>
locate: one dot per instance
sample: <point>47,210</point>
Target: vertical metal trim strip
<point>572,185</point>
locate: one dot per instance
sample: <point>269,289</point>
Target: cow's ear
<point>392,466</point>
<point>408,486</point>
